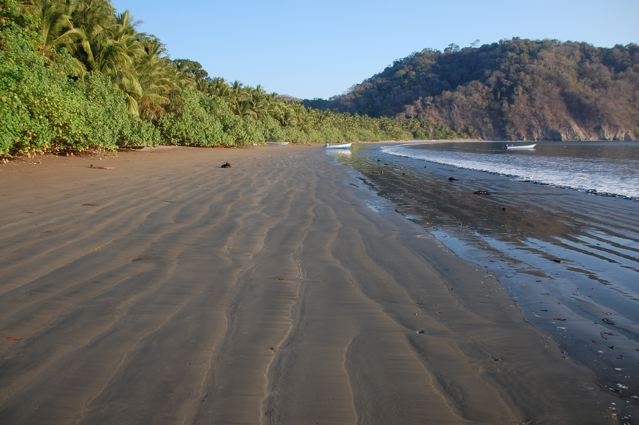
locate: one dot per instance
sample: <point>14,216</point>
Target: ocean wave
<point>595,175</point>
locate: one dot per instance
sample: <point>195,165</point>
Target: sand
<point>158,288</point>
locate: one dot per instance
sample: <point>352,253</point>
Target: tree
<point>157,78</point>
<point>451,48</point>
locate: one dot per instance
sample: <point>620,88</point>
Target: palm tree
<point>157,77</point>
<point>55,26</point>
<point>53,20</point>
<point>236,99</point>
<point>93,19</point>
<point>118,51</point>
<point>110,45</point>
<point>219,87</point>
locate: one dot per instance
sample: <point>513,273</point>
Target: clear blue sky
<point>321,48</point>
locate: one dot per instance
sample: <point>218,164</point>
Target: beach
<point>156,287</point>
<point>557,225</point>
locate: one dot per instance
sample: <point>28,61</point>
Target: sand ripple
<point>167,290</point>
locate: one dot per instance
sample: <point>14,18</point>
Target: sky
<point>318,49</point>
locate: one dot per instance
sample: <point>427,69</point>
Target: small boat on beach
<point>341,146</point>
<point>521,147</point>
<point>272,143</point>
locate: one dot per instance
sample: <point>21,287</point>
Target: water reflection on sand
<point>569,259</point>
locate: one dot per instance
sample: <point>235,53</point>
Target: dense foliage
<point>514,89</point>
<point>75,75</point>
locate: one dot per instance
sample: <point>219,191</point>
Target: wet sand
<point>569,259</point>
<point>163,289</point>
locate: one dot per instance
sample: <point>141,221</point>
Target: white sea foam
<point>619,177</point>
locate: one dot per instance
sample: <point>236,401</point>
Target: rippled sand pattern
<point>167,290</point>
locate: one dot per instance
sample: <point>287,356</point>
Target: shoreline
<point>162,286</point>
<point>538,241</point>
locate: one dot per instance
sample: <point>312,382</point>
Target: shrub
<point>42,109</point>
<point>190,123</point>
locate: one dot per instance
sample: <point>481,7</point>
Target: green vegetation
<point>514,89</point>
<point>75,76</point>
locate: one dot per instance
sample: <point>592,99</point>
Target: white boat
<point>342,146</point>
<point>272,143</point>
<point>521,147</point>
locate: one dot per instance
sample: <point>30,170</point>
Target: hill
<point>514,89</point>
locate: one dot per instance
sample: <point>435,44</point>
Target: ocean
<point>557,225</point>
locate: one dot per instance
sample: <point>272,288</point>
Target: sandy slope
<point>170,291</point>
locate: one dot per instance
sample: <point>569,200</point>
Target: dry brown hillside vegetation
<point>514,89</point>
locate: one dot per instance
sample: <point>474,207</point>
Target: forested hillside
<point>76,75</point>
<point>516,89</point>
